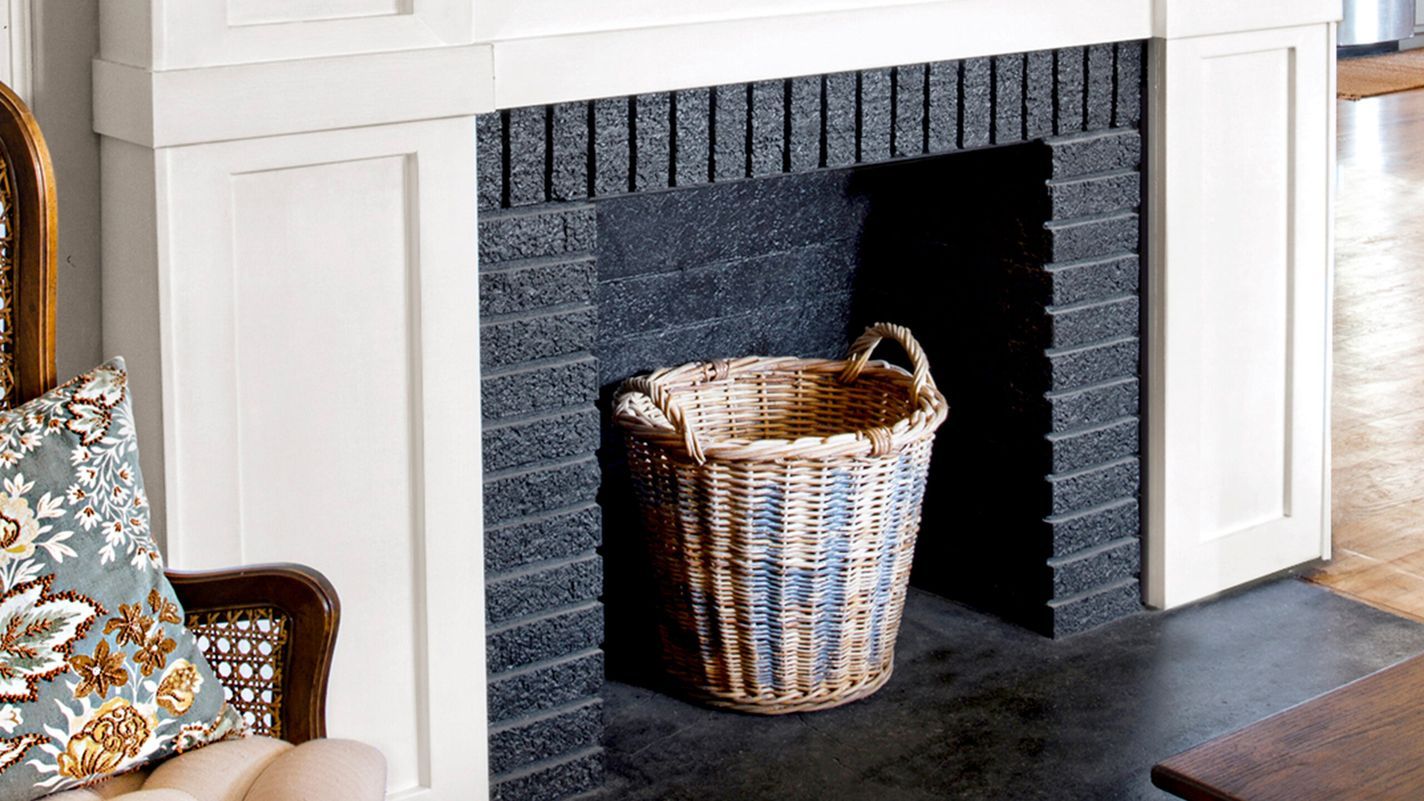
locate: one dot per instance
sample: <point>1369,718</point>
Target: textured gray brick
<point>555,536</point>
<point>560,585</point>
<point>977,84</point>
<point>1129,84</point>
<point>611,144</point>
<point>1100,194</point>
<point>1009,99</point>
<point>489,138</point>
<point>513,745</point>
<point>840,119</point>
<point>514,495</point>
<point>537,283</point>
<point>535,233</point>
<point>1075,615</point>
<point>1097,364</point>
<point>944,106</point>
<point>1080,531</point>
<point>1086,489</point>
<point>654,126</point>
<point>1094,237</point>
<point>539,387</point>
<point>545,686</point>
<point>545,639</point>
<point>505,342</point>
<point>805,144</point>
<point>910,110</point>
<point>575,775</point>
<point>768,145</point>
<point>1100,151</point>
<point>875,115</point>
<point>1107,565</point>
<point>694,144</point>
<point>1071,63</point>
<point>529,441</point>
<point>1040,94</point>
<point>1078,325</point>
<point>569,178</point>
<point>1084,448</point>
<point>1082,281</point>
<point>1094,405</point>
<point>731,121</point>
<point>526,156</point>
<point>1101,82</point>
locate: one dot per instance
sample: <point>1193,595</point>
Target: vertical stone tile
<point>610,146</point>
<point>1101,79</point>
<point>1129,84</point>
<point>694,144</point>
<point>944,106</point>
<point>489,147</point>
<point>730,156</point>
<point>840,119</point>
<point>1040,94</point>
<point>526,155</point>
<point>654,137</point>
<point>875,115</point>
<point>910,110</point>
<point>978,112</point>
<point>805,144</point>
<point>768,143</point>
<point>569,180</point>
<point>1069,90</point>
<point>1008,99</point>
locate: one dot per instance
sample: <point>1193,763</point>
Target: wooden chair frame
<point>289,613</point>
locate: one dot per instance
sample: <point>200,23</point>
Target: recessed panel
<point>327,368</point>
<point>270,12</point>
<point>1245,244</point>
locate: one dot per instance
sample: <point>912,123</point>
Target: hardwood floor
<point>1379,356</point>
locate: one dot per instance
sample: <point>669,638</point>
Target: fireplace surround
<point>992,204</point>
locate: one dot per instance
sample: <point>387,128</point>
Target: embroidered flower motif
<point>10,717</point>
<point>131,624</point>
<point>154,652</point>
<point>37,631</point>
<point>180,685</point>
<point>18,528</point>
<point>166,610</point>
<point>115,733</point>
<point>90,422</point>
<point>99,672</point>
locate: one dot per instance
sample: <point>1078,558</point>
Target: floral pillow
<point>98,674</point>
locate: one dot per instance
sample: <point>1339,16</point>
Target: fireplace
<point>992,204</point>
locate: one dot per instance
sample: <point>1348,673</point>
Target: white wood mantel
<point>290,255</point>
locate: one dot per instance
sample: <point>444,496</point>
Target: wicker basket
<point>782,500</point>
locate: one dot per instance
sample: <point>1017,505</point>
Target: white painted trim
<point>1178,19</point>
<point>183,107</point>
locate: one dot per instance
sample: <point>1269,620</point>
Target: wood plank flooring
<point>1379,356</point>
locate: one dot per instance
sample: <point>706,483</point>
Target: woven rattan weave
<point>247,649</point>
<point>782,499</point>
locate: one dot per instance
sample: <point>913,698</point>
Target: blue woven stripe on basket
<point>768,593</point>
<point>831,622</point>
<point>903,494</point>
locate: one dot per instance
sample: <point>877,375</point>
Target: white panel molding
<point>1239,309</point>
<point>1177,19</point>
<point>228,408</point>
<point>182,107</point>
<point>19,57</point>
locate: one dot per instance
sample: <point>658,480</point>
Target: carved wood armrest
<point>269,632</point>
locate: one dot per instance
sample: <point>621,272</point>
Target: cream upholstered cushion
<point>252,769</point>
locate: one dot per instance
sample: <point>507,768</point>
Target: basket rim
<point>639,416</point>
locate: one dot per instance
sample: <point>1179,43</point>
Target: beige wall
<point>66,37</point>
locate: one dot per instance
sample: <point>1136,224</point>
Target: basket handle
<point>662,399</point>
<point>921,382</point>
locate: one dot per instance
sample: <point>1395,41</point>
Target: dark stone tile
<point>977,84</point>
<point>1096,487</point>
<point>526,442</point>
<point>654,126</point>
<point>513,745</point>
<point>875,115</point>
<point>1079,531</point>
<point>1039,100</point>
<point>569,179</point>
<point>1102,194</point>
<point>1099,445</point>
<point>556,536</point>
<point>526,156</point>
<point>694,143</point>
<point>1075,326</point>
<point>545,639</point>
<point>1085,612</point>
<point>534,233</point>
<point>1102,79</point>
<point>554,586</point>
<point>732,147</point>
<point>1070,118</point>
<point>1080,282</point>
<point>1074,408</point>
<point>535,284</point>
<point>539,387</point>
<point>1008,99</point>
<point>979,709</point>
<point>545,686</point>
<point>553,780</point>
<point>768,143</point>
<point>489,139</point>
<point>611,146</point>
<point>1094,238</point>
<point>1130,77</point>
<point>805,144</point>
<point>1081,367</point>
<point>1089,573</point>
<point>841,119</point>
<point>510,497</point>
<point>909,110</point>
<point>509,341</point>
<point>944,106</point>
<point>1096,152</point>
